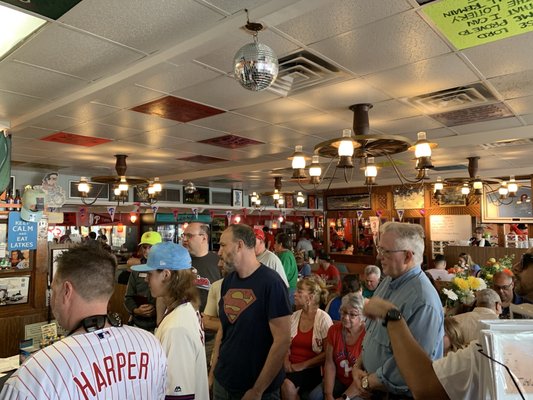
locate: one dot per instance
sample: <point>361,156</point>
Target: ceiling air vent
<point>452,99</point>
<point>303,70</point>
<point>506,143</point>
<point>446,168</point>
<point>462,105</point>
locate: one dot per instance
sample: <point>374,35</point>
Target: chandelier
<point>362,145</point>
<point>497,191</point>
<point>147,189</point>
<point>255,64</point>
<point>277,195</point>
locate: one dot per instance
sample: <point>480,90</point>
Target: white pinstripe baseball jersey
<point>112,363</point>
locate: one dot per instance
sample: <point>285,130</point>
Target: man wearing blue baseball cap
<point>170,277</point>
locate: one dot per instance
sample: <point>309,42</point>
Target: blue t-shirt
<point>246,307</point>
<point>334,310</point>
<point>421,308</point>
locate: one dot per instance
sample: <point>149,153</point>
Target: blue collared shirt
<point>421,308</point>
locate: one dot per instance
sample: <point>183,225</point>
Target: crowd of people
<point>277,329</point>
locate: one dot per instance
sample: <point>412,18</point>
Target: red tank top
<point>301,347</point>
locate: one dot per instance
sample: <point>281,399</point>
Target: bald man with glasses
<point>503,284</point>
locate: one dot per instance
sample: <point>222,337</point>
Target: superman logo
<point>236,301</point>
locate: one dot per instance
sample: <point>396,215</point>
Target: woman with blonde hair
<point>170,277</point>
<point>453,336</point>
<point>465,262</point>
<point>309,329</point>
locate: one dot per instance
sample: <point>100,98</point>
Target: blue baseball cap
<point>166,255</point>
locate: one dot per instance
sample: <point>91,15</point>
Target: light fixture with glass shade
<point>147,189</point>
<point>361,144</point>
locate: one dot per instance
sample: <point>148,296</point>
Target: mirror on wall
<point>517,209</point>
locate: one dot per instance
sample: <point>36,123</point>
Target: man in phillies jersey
<point>255,316</point>
<point>99,359</point>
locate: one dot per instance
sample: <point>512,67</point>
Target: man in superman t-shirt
<point>255,315</point>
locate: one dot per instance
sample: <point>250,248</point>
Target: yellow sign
<point>469,23</point>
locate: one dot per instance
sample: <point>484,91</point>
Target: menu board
<point>468,23</point>
<point>450,228</point>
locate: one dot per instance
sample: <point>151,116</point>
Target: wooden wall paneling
<point>14,318</point>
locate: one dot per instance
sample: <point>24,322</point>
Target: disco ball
<point>256,66</point>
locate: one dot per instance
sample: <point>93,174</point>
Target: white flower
<point>450,294</point>
<point>482,284</point>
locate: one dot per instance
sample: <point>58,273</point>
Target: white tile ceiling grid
<point>83,73</point>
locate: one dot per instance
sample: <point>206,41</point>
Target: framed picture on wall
<point>348,202</point>
<point>512,210</point>
<point>411,200</point>
<point>14,290</point>
<point>237,197</point>
<point>452,196</point>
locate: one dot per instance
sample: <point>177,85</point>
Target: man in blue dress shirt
<point>400,250</point>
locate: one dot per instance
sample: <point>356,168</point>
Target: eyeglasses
<point>502,287</point>
<point>351,315</point>
<point>387,253</point>
<point>189,236</point>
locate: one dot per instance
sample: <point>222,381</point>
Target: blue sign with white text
<point>21,235</point>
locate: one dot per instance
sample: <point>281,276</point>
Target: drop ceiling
<point>152,79</point>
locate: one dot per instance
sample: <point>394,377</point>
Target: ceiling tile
<point>337,17</point>
<point>78,140</point>
<point>57,48</point>
<point>157,139</point>
<point>275,134</point>
<point>424,76</point>
<point>224,93</point>
<point>341,95</point>
<point>84,111</point>
<point>398,40</point>
<point>230,122</point>
<point>13,105</point>
<point>169,77</point>
<point>510,86</point>
<point>136,120</point>
<point>522,105</point>
<point>317,124</point>
<point>280,110</point>
<point>177,19</point>
<point>510,53</point>
<point>407,127</point>
<point>188,132</point>
<point>37,82</point>
<point>176,109</point>
<point>231,142</point>
<point>102,130</point>
<point>124,95</point>
<point>488,125</point>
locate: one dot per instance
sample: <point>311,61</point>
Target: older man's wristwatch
<point>364,382</point>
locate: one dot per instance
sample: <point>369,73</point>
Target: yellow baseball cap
<point>151,238</point>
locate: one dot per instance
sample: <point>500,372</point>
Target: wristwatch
<point>364,382</point>
<point>345,396</point>
<point>392,315</point>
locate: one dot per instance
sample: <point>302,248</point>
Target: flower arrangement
<point>462,290</point>
<point>492,266</point>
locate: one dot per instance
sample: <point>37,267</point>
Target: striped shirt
<point>111,363</point>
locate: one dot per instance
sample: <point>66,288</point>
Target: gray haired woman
<point>343,348</point>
